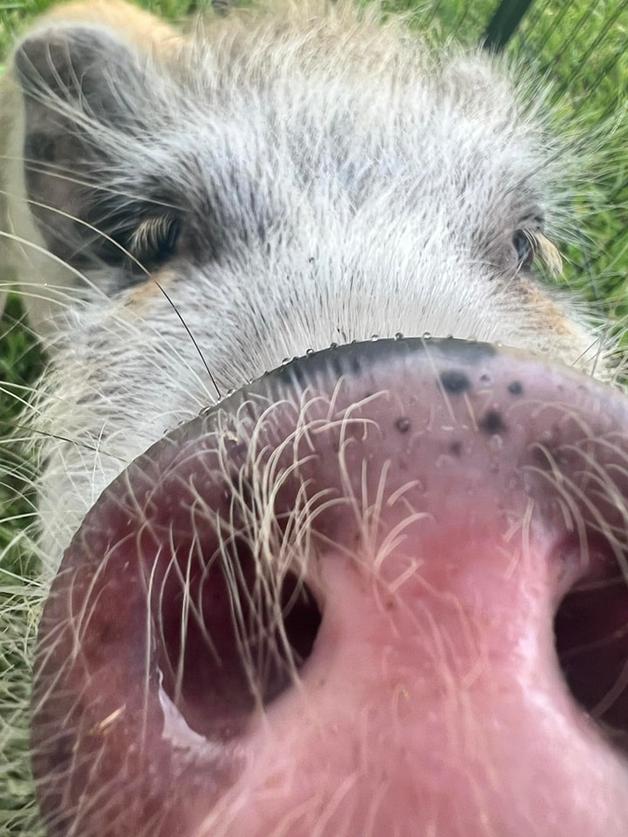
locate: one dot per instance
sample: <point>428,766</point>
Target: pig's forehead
<point>263,129</point>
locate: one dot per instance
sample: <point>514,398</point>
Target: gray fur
<point>332,179</point>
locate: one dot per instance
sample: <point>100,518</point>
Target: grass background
<point>578,45</point>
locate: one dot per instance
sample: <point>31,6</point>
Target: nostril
<point>228,640</point>
<point>591,630</point>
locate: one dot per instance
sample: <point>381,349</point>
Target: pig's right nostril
<point>229,641</point>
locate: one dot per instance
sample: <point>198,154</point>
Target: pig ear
<point>83,91</point>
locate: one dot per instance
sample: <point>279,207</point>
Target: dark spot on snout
<point>455,448</point>
<point>515,388</point>
<point>403,424</point>
<point>492,422</point>
<point>454,382</point>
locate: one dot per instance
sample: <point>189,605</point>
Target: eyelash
<point>155,240</point>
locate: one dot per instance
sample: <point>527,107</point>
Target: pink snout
<point>380,591</point>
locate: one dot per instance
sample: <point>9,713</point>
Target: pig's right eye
<point>154,241</point>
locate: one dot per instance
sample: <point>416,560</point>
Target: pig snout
<point>380,590</point>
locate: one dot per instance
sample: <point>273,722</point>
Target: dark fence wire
<point>505,22</point>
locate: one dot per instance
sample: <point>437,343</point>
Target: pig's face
<point>324,603</point>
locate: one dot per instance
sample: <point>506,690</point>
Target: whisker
<point>62,438</point>
<point>44,252</point>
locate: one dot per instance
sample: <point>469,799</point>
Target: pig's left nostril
<point>228,644</point>
<point>591,628</point>
<point>167,654</point>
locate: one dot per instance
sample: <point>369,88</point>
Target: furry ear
<point>71,100</point>
<point>83,89</point>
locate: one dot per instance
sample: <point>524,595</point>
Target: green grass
<point>578,44</point>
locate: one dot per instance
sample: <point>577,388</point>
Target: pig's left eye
<point>154,241</point>
<point>523,243</point>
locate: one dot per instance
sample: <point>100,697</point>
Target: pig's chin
<point>379,591</point>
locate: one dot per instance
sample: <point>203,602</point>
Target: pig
<point>332,509</point>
